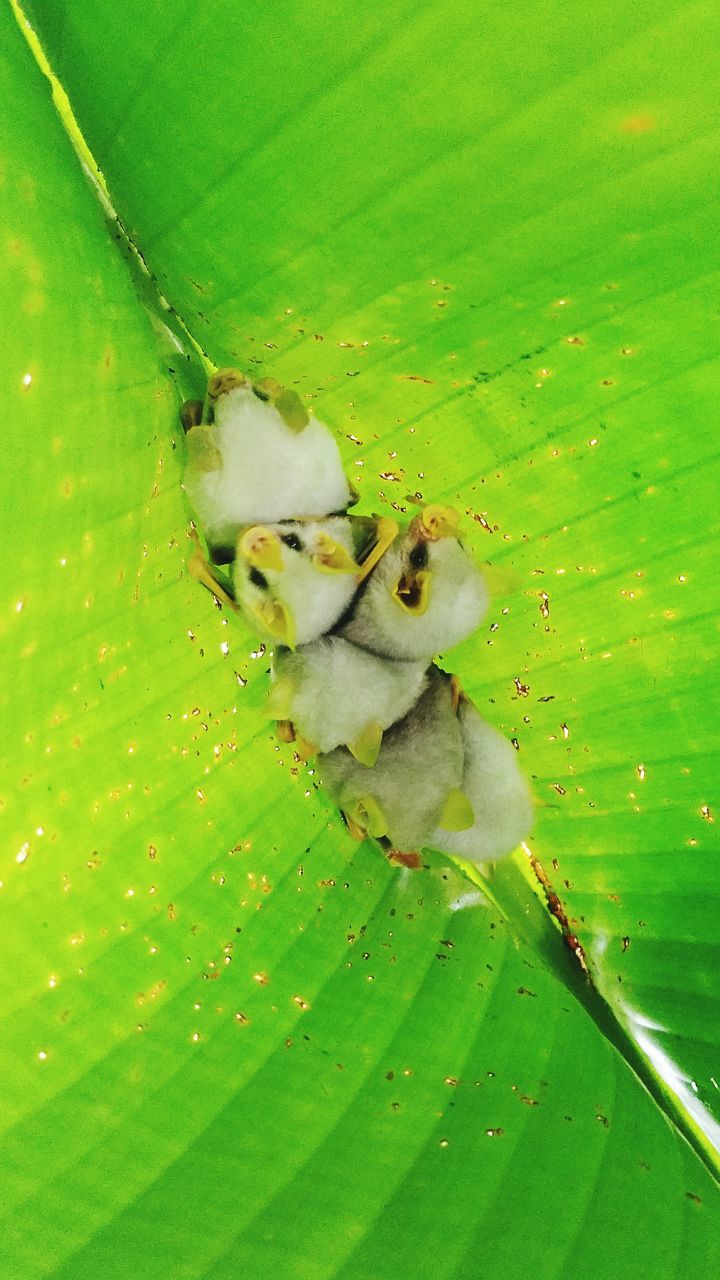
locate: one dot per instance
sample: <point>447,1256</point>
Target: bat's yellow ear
<point>267,388</point>
<point>412,591</point>
<point>332,556</point>
<point>261,548</point>
<point>366,747</point>
<point>292,410</point>
<point>278,620</point>
<point>439,522</point>
<point>366,813</point>
<point>203,453</point>
<point>287,402</point>
<point>457,814</point>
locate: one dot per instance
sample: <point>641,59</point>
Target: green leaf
<point>235,1044</point>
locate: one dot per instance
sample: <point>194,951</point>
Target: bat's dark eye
<point>291,540</point>
<point>258,579</point>
<point>419,556</point>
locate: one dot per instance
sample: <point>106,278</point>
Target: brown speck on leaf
<point>544,604</point>
<point>625,943</point>
<point>525,991</point>
<point>522,689</point>
<point>557,910</point>
<point>540,873</point>
<point>690,1195</point>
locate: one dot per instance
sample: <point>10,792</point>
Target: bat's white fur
<point>338,690</point>
<point>420,761</point>
<point>249,469</point>
<point>267,472</point>
<point>315,598</point>
<point>457,603</point>
<point>496,789</point>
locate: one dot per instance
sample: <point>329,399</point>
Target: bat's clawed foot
<point>223,381</point>
<point>191,414</point>
<point>401,858</point>
<point>285,731</point>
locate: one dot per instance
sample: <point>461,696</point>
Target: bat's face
<point>425,595</point>
<point>422,548</point>
<point>295,579</point>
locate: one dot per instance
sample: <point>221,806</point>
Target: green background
<point>483,245</point>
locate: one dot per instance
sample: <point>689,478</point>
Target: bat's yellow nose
<point>440,522</point>
<point>261,548</point>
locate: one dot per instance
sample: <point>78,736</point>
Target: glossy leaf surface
<point>235,1044</point>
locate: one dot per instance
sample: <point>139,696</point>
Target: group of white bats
<point>356,609</point>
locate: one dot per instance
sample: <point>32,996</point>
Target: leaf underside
<point>235,1043</point>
